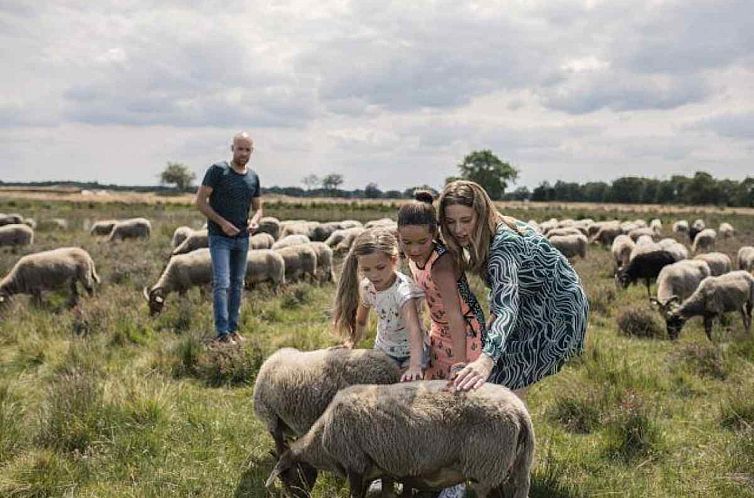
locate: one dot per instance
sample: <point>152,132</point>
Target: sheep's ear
<point>654,302</point>
<point>146,294</point>
<point>159,299</point>
<point>674,299</point>
<point>280,467</point>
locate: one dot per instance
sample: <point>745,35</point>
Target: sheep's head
<point>156,300</point>
<point>297,477</point>
<point>4,298</point>
<point>622,278</point>
<point>668,307</point>
<point>674,323</point>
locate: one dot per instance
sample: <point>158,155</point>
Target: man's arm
<point>202,203</point>
<point>256,206</point>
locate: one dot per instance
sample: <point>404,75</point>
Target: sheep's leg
<point>357,484</point>
<point>73,301</point>
<point>708,320</point>
<point>36,297</point>
<point>649,292</point>
<point>280,443</point>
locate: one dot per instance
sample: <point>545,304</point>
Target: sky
<point>394,93</point>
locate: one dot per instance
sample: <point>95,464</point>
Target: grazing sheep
<point>621,250</point>
<point>638,232</point>
<point>745,258</point>
<point>534,226</point>
<point>726,230</point>
<point>733,291</point>
<point>628,226</point>
<point>325,270</point>
<point>197,239</point>
<point>346,224</point>
<point>270,225</point>
<point>344,245</point>
<point>645,263</point>
<point>338,235</point>
<point>11,219</point>
<point>133,228</point>
<point>321,232</point>
<point>563,232</point>
<point>681,227</point>
<point>677,282</point>
<point>51,270</point>
<point>102,227</point>
<point>548,225</point>
<point>640,223</point>
<point>265,265</point>
<point>570,245</point>
<point>58,223</point>
<point>424,434</point>
<point>300,261</point>
<point>298,228</point>
<point>607,233</point>
<point>382,222</point>
<point>31,223</point>
<point>656,226</point>
<point>261,241</point>
<point>180,234</point>
<point>181,273</point>
<point>695,228</point>
<point>704,241</point>
<point>674,247</point>
<point>719,263</point>
<point>16,235</point>
<point>291,240</point>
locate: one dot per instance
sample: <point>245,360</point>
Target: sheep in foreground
<point>51,270</point>
<point>733,291</point>
<point>300,261</point>
<point>697,226</point>
<point>261,241</point>
<point>290,241</point>
<point>745,258</point>
<point>645,263</point>
<point>719,263</point>
<point>726,230</point>
<point>102,227</point>
<point>134,228</point>
<point>16,235</point>
<point>270,225</point>
<point>423,434</point>
<point>181,273</point>
<point>677,282</point>
<point>180,234</point>
<point>265,265</point>
<point>704,241</point>
<point>570,245</point>
<point>621,250</point>
<point>197,239</point>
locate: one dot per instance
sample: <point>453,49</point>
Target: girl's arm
<point>415,341</point>
<point>446,276</point>
<point>362,315</point>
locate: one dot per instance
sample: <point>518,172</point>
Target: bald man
<point>228,193</point>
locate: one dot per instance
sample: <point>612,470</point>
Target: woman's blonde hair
<point>471,194</point>
<point>347,296</point>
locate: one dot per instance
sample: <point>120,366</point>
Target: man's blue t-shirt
<point>231,196</point>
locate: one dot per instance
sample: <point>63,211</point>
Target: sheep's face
<point>622,279</point>
<point>298,478</point>
<point>4,299</point>
<point>156,299</point>
<point>674,324</point>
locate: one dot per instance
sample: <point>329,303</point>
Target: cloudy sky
<point>392,93</point>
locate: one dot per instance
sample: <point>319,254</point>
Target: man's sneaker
<point>237,337</point>
<point>224,339</point>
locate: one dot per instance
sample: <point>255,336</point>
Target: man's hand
<point>229,229</point>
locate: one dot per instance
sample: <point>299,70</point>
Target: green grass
<point>110,402</point>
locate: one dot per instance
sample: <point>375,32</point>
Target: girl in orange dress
<point>456,336</point>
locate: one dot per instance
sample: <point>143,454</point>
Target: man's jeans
<point>228,272</point>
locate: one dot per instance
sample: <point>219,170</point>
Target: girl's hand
<point>413,373</point>
<point>474,375</point>
<point>348,344</point>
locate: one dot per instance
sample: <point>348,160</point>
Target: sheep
<point>704,241</point>
<point>732,291</point>
<point>264,265</point>
<point>534,226</point>
<point>298,228</point>
<point>11,219</point>
<point>621,250</point>
<point>300,261</point>
<point>607,233</point>
<point>270,225</point>
<point>197,239</point>
<point>677,282</point>
<point>548,225</point>
<point>627,226</point>
<point>640,223</point>
<point>681,227</point>
<point>102,227</point>
<point>323,231</point>
<point>674,247</point>
<point>695,228</point>
<point>325,270</point>
<point>261,240</point>
<point>638,232</point>
<point>570,245</point>
<point>51,270</point>
<point>745,258</point>
<point>291,240</point>
<point>16,235</point>
<point>726,230</point>
<point>181,273</point>
<point>346,224</point>
<point>344,245</point>
<point>423,433</point>
<point>58,223</point>
<point>719,263</point>
<point>656,226</point>
<point>563,232</point>
<point>180,234</point>
<point>31,223</point>
<point>645,263</point>
<point>382,222</point>
<point>338,235</point>
<point>131,229</point>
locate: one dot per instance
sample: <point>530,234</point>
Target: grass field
<point>110,402</point>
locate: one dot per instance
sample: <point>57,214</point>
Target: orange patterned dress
<point>441,356</point>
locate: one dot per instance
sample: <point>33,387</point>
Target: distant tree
<point>626,190</point>
<point>595,191</point>
<point>332,181</point>
<point>543,192</point>
<point>177,174</point>
<point>392,194</point>
<point>702,189</point>
<point>372,191</point>
<point>520,194</point>
<point>311,181</point>
<point>486,169</point>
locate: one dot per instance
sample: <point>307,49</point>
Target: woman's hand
<point>413,373</point>
<point>474,375</point>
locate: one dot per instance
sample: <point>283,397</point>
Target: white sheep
<point>131,229</point>
<point>197,239</point>
<point>704,241</point>
<point>298,227</point>
<point>181,273</point>
<point>16,235</point>
<point>621,250</point>
<point>325,267</point>
<point>570,245</point>
<point>726,230</point>
<point>745,258</point>
<point>11,219</point>
<point>291,240</point>
<point>345,244</point>
<point>270,225</point>
<point>677,282</point>
<point>678,250</point>
<point>424,434</point>
<point>732,291</point>
<point>697,226</point>
<point>638,232</point>
<point>300,261</point>
<point>51,270</point>
<point>563,232</point>
<point>261,240</point>
<point>339,235</point>
<point>681,227</point>
<point>382,222</point>
<point>179,235</point>
<point>719,263</point>
<point>656,226</point>
<point>606,233</point>
<point>265,265</point>
<point>102,227</point>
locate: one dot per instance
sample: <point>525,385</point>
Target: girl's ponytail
<point>347,299</point>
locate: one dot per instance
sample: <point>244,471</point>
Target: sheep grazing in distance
<point>102,227</point>
<point>674,247</point>
<point>325,267</point>
<point>339,235</point>
<point>270,225</point>
<point>733,291</point>
<point>16,235</point>
<point>11,219</point>
<point>697,226</point>
<point>607,233</point>
<point>264,265</point>
<point>681,227</point>
<point>197,239</point>
<point>298,228</point>
<point>345,244</point>
<point>570,245</point>
<point>51,270</point>
<point>719,263</point>
<point>31,223</point>
<point>181,273</point>
<point>300,262</point>
<point>656,226</point>
<point>704,241</point>
<point>321,232</point>
<point>645,263</point>
<point>181,233</point>
<point>621,250</point>
<point>563,232</point>
<point>58,223</point>
<point>134,228</point>
<point>291,240</point>
<point>745,258</point>
<point>403,431</point>
<point>677,282</point>
<point>382,222</point>
<point>638,232</point>
<point>261,241</point>
<point>726,230</point>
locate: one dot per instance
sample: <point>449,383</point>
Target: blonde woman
<point>538,306</point>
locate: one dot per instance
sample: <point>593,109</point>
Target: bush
<point>632,430</point>
<point>640,321</point>
<point>737,411</point>
<point>578,411</point>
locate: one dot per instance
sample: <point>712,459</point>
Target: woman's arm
<point>415,341</point>
<point>445,276</point>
